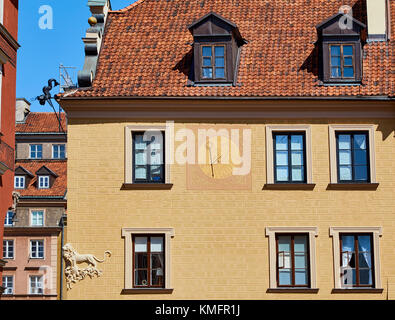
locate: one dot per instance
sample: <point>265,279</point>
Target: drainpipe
<point>63,223</point>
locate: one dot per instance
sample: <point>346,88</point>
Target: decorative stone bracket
<point>75,274</point>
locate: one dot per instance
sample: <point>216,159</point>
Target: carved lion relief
<point>72,258</point>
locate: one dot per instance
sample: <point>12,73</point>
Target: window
<point>148,254</point>
<point>8,249</point>
<point>37,249</point>
<point>356,257</point>
<point>19,182</point>
<point>37,218</point>
<point>292,257</point>
<point>8,284</point>
<point>353,156</point>
<point>59,151</point>
<point>43,182</point>
<point>148,157</point>
<point>292,260</point>
<point>213,62</point>
<point>356,260</point>
<point>147,260</point>
<point>289,157</point>
<point>8,219</point>
<point>342,61</point>
<point>36,285</point>
<point>36,151</point>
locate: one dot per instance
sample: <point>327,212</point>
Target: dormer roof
<point>44,171</point>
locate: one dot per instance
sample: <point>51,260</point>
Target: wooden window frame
<point>213,66</point>
<point>41,278</point>
<point>30,151</point>
<point>342,57</point>
<point>31,217</point>
<point>149,270</point>
<point>352,133</point>
<point>59,152</point>
<point>289,134</point>
<point>7,246</point>
<point>355,235</point>
<point>40,179</point>
<point>24,182</point>
<point>7,219</point>
<point>148,166</point>
<point>292,248</point>
<point>31,249</point>
<point>6,287</point>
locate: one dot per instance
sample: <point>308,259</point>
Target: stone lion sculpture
<point>73,258</point>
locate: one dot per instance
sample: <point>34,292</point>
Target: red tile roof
<point>42,122</point>
<point>145,47</point>
<point>60,184</point>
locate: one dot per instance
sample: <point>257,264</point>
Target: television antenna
<point>66,76</point>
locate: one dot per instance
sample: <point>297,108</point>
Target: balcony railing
<point>6,157</point>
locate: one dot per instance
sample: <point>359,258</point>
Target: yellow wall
<point>219,250</point>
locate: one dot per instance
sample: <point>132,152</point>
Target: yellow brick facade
<point>220,250</point>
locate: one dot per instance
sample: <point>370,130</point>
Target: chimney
<point>22,109</point>
<point>377,19</point>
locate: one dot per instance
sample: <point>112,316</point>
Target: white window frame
<point>32,213</point>
<point>43,182</point>
<point>376,232</point>
<point>58,146</point>
<point>19,182</point>
<point>30,151</point>
<point>5,283</point>
<point>332,148</point>
<point>270,129</point>
<point>7,246</point>
<point>8,220</point>
<point>271,233</point>
<point>128,234</point>
<point>169,148</point>
<point>39,280</point>
<point>31,248</point>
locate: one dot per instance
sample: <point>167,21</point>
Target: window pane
<point>141,173</point>
<point>156,244</point>
<point>156,157</point>
<point>364,243</point>
<point>207,62</point>
<point>360,157</point>
<point>284,277</point>
<point>361,173</point>
<point>300,260</point>
<point>300,243</point>
<point>348,243</point>
<point>301,277</point>
<point>156,173</point>
<point>347,50</point>
<point>348,72</point>
<point>349,276</point>
<point>345,173</point>
<point>220,62</point>
<point>348,61</point>
<point>281,142</point>
<point>335,72</point>
<point>360,141</point>
<point>298,174</point>
<point>284,243</point>
<point>335,61</point>
<point>140,244</point>
<point>207,72</point>
<point>219,51</point>
<point>335,50</point>
<point>365,277</point>
<point>345,157</point>
<point>220,73</point>
<point>139,144</point>
<point>282,158</point>
<point>157,277</point>
<point>207,52</point>
<point>344,141</point>
<point>296,142</point>
<point>140,158</point>
<point>157,260</point>
<point>141,260</point>
<point>297,158</point>
<point>282,173</point>
<point>141,277</point>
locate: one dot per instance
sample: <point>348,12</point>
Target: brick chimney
<point>377,20</point>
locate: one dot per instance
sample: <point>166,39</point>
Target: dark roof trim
<point>320,25</point>
<point>43,197</point>
<point>211,14</point>
<point>45,170</point>
<point>27,172</point>
<point>41,133</point>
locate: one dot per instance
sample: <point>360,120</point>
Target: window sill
<point>352,186</point>
<point>357,290</point>
<point>292,290</point>
<point>147,291</point>
<point>146,186</point>
<point>289,186</point>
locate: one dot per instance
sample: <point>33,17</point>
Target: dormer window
<point>43,182</point>
<point>19,182</point>
<point>340,39</point>
<point>22,178</point>
<point>216,53</point>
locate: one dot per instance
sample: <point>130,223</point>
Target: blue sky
<point>42,51</point>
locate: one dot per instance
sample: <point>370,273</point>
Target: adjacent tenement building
<point>33,234</point>
<point>236,149</point>
<point>8,54</point>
